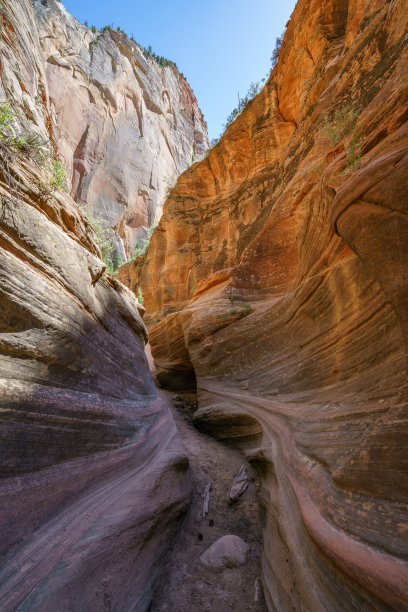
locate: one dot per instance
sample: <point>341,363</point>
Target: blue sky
<point>219,45</point>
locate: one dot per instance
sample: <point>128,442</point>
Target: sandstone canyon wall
<point>93,482</point>
<point>277,282</point>
<point>125,127</point>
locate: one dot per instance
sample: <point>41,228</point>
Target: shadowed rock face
<point>125,127</point>
<point>279,275</point>
<point>92,480</point>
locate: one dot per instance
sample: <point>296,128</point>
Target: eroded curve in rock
<point>277,277</point>
<point>93,480</point>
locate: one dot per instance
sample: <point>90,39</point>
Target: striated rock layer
<point>277,280</point>
<point>93,482</point>
<point>125,127</point>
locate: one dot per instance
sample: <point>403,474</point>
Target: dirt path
<point>184,584</point>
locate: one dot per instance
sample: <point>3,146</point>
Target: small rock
<point>240,485</point>
<point>206,501</point>
<point>228,551</point>
<point>258,590</point>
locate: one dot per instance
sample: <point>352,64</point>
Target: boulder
<point>228,551</point>
<point>239,485</point>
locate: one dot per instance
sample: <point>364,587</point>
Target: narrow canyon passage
<point>275,283</point>
<point>185,583</point>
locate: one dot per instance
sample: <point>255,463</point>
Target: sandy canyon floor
<point>184,583</point>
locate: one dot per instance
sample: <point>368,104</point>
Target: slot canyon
<point>238,438</point>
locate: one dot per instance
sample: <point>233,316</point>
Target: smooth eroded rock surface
<point>125,127</point>
<point>93,482</point>
<point>279,273</point>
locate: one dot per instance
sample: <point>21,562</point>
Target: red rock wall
<point>280,277</point>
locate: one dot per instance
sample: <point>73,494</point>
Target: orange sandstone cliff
<point>277,283</point>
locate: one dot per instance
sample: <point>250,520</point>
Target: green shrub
<point>105,241</point>
<point>147,51</point>
<point>159,59</point>
<point>253,90</point>
<point>343,121</point>
<point>9,127</point>
<point>213,142</point>
<point>276,50</point>
<point>139,296</point>
<point>354,150</point>
<point>58,178</point>
<point>141,250</point>
<point>245,311</point>
<point>17,136</point>
<point>170,184</point>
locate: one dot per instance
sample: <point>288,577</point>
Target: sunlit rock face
<point>278,278</point>
<point>124,126</point>
<point>92,480</point>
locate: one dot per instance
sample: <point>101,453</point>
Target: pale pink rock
<point>228,551</point>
